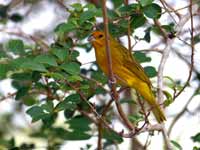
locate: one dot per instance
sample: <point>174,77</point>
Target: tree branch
<point>192,52</point>
<point>111,75</point>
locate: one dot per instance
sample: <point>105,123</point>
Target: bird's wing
<point>132,65</point>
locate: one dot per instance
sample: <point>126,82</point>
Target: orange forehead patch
<point>96,34</point>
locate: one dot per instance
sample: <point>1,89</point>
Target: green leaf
<point>48,120</point>
<point>196,148</point>
<point>79,123</point>
<point>76,136</point>
<point>2,52</point>
<point>86,15</point>
<point>123,23</point>
<point>117,3</point>
<point>135,118</point>
<point>36,76</point>
<point>90,6</point>
<point>169,99</point>
<point>16,63</point>
<point>137,20</point>
<point>98,12</point>
<point>145,2</point>
<point>4,68</point>
<point>168,28</point>
<point>196,138</point>
<point>112,14</point>
<point>71,68</point>
<point>46,59</point>
<point>56,75</point>
<point>77,6</point>
<point>48,106</point>
<point>69,103</point>
<point>150,71</point>
<point>177,145</point>
<point>112,136</point>
<point>7,143</point>
<point>17,84</point>
<point>28,100</point>
<point>68,113</point>
<point>98,75</point>
<point>22,76</point>
<point>147,36</point>
<point>170,82</point>
<point>62,54</point>
<point>66,27</point>
<point>74,55</point>
<point>16,46</point>
<point>116,31</point>
<point>74,78</point>
<point>196,38</point>
<point>16,17</point>
<point>152,11</point>
<point>100,90</point>
<point>127,101</point>
<point>32,65</point>
<point>4,10</point>
<point>128,9</point>
<point>141,57</point>
<point>36,113</point>
<point>75,98</point>
<point>21,92</point>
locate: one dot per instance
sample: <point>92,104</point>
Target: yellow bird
<point>126,69</point>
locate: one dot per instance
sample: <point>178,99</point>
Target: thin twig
<point>184,7</point>
<point>165,5</point>
<point>129,31</point>
<point>35,39</point>
<point>180,114</point>
<point>96,82</point>
<point>166,138</point>
<point>99,135</point>
<point>106,108</point>
<point>163,32</point>
<point>149,50</point>
<point>10,95</point>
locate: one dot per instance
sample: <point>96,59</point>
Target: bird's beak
<point>91,38</point>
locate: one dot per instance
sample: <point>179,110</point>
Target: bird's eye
<point>100,36</point>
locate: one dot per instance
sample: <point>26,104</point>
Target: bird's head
<point>97,38</point>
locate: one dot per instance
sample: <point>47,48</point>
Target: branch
<point>165,5</point>
<point>129,30</point>
<point>96,82</point>
<point>192,53</point>
<point>110,72</point>
<point>164,58</point>
<point>149,50</point>
<point>7,96</point>
<point>99,135</point>
<point>165,55</point>
<point>35,39</point>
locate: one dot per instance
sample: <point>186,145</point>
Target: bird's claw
<point>112,81</point>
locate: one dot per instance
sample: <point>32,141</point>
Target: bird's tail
<point>146,92</point>
<point>158,113</point>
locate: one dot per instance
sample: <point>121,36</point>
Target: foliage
<point>51,83</point>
